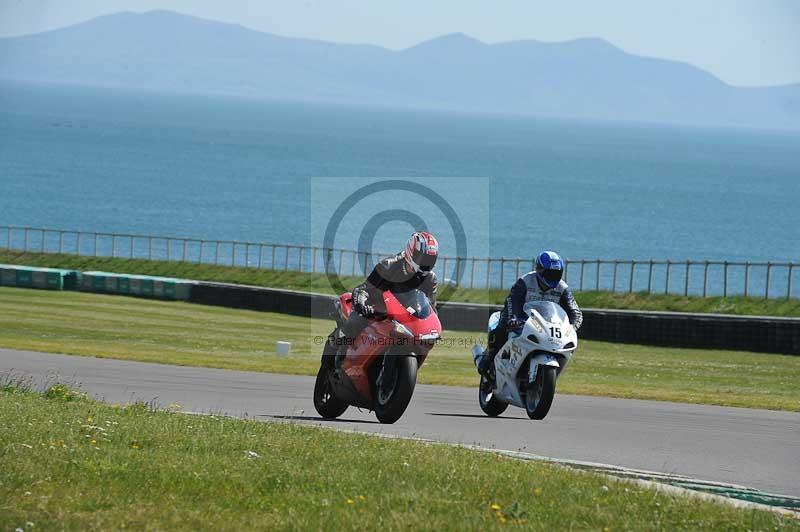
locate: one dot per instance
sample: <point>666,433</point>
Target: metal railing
<point>770,279</point>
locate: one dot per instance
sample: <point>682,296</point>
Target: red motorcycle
<point>379,368</point>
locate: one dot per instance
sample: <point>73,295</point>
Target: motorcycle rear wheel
<point>539,396</point>
<point>327,404</point>
<point>490,405</point>
<point>393,398</point>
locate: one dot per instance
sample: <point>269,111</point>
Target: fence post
<point>202,244</point>
<point>216,252</point>
<point>472,274</point>
<point>42,242</point>
<point>566,264</point>
<point>488,268</point>
<point>314,259</point>
<point>260,256</point>
<point>789,282</point>
<point>341,257</point>
<point>95,244</point>
<point>185,251</point>
<point>746,277</point>
<point>444,268</point>
<point>725,279</point>
<point>8,236</point>
<point>597,276</point>
<point>766,285</point>
<point>25,241</point>
<point>614,277</point>
<point>78,243</point>
<point>233,253</point>
<point>516,273</point>
<point>149,247</point>
<point>300,259</point>
<point>168,249</point>
<point>286,258</point>
<point>705,277</point>
<point>666,278</point>
<point>583,264</point>
<point>133,240</point>
<point>630,281</point>
<point>272,260</point>
<point>502,271</point>
<point>650,276</point>
<point>686,280</point>
<point>113,245</point>
<point>353,263</point>
<point>247,254</point>
<point>61,242</point>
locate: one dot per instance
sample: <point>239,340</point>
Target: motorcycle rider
<point>411,268</point>
<point>542,284</point>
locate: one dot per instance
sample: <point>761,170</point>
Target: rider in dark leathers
<point>409,269</point>
<point>542,284</point>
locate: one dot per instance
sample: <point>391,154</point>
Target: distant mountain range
<point>584,78</point>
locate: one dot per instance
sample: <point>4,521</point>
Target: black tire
<point>490,405</point>
<point>389,406</point>
<point>539,395</point>
<point>328,405</point>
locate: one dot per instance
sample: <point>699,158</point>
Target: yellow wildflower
<point>350,501</point>
<point>495,506</point>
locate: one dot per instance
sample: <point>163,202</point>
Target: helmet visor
<point>552,276</point>
<point>426,262</point>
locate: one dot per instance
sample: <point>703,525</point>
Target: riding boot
<point>351,330</point>
<point>485,362</point>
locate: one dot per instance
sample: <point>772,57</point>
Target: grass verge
<point>319,283</point>
<point>72,463</point>
<point>195,335</point>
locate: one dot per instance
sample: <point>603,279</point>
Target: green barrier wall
<point>42,278</point>
<point>137,285</point>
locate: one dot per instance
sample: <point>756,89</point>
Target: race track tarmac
<point>754,448</point>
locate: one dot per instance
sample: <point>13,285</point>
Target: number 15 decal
<point>555,332</point>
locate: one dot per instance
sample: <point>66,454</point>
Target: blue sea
<point>223,168</point>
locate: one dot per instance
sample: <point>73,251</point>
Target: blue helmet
<point>549,268</point>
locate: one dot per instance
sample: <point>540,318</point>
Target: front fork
<point>541,360</point>
<point>388,369</point>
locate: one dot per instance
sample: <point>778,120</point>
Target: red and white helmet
<point>421,251</point>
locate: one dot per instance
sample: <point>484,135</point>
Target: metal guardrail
<point>768,279</point>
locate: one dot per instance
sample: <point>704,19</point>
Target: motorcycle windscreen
<point>415,302</point>
<point>548,310</point>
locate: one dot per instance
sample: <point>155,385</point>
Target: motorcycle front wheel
<point>327,404</point>
<point>539,395</point>
<point>392,398</point>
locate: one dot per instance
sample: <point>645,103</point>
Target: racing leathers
<point>394,274</point>
<point>527,288</point>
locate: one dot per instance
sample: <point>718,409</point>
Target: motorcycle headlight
<point>536,327</point>
<point>402,330</point>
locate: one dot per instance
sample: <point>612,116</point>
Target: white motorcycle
<point>527,365</point>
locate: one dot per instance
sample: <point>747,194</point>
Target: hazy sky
<point>743,42</point>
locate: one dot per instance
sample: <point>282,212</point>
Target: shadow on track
<point>481,416</point>
<point>321,419</point>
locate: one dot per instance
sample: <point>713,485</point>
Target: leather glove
<point>514,323</point>
<point>368,311</point>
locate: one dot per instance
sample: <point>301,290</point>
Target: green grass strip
<point>69,463</point>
